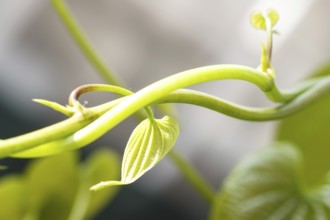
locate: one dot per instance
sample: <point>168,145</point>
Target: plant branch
<point>193,177</point>
<point>63,135</point>
<point>81,40</point>
<point>304,98</point>
<point>157,90</point>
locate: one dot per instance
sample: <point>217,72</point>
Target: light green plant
<point>275,185</point>
<point>57,187</point>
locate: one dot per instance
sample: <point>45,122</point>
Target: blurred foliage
<point>268,185</point>
<point>57,187</point>
<point>309,130</point>
<point>13,193</point>
<point>101,165</point>
<point>258,19</point>
<point>289,180</point>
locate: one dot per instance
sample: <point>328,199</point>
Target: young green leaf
<point>258,21</point>
<point>269,185</point>
<point>151,140</point>
<point>273,16</point>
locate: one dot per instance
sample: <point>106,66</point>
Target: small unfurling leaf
<point>259,21</point>
<point>151,140</point>
<point>273,16</point>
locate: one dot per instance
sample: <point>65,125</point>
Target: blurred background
<point>144,41</point>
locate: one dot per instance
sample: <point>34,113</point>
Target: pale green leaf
<point>151,140</point>
<point>269,185</point>
<point>53,184</point>
<point>258,20</point>
<point>273,16</point>
<point>103,164</point>
<point>13,198</point>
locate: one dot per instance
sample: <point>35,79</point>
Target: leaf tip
<point>55,106</point>
<point>105,184</point>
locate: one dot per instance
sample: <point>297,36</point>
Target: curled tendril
<point>76,93</point>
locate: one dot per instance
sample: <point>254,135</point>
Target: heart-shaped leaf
<point>150,141</point>
<point>258,20</point>
<point>269,185</point>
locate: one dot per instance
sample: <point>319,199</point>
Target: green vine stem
<point>84,44</point>
<point>157,90</point>
<point>63,134</point>
<point>88,124</point>
<point>75,94</point>
<point>57,131</point>
<point>193,177</point>
<point>302,101</point>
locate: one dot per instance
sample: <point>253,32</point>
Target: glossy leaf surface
<point>150,141</point>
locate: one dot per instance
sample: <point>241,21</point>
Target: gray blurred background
<point>144,41</point>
